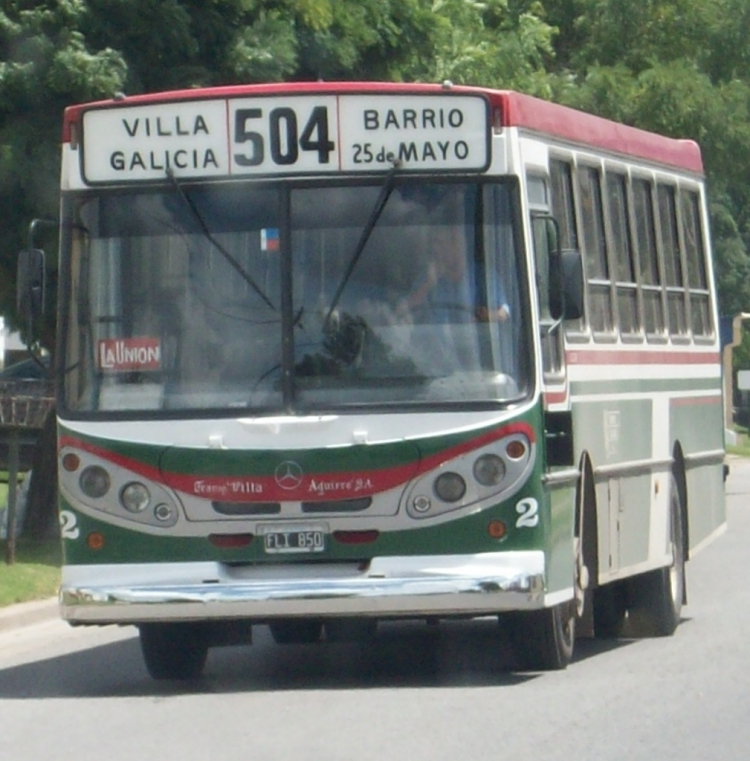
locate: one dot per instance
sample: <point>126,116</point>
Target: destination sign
<point>300,134</point>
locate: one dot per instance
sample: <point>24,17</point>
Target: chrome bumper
<point>387,587</point>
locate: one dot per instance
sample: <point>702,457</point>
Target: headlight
<point>135,497</point>
<point>450,487</point>
<point>94,481</point>
<point>489,470</point>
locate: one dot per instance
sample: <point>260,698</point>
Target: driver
<point>447,290</point>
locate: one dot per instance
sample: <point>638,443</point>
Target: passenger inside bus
<point>448,290</point>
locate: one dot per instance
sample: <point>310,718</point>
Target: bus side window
<point>563,210</point>
<point>648,261</point>
<point>692,232</point>
<point>600,311</point>
<point>551,339</point>
<point>670,250</point>
<point>625,273</point>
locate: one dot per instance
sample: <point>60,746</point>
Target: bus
<point>335,354</point>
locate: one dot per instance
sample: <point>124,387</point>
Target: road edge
<point>26,613</point>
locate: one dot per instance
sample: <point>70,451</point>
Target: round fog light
<point>421,504</point>
<point>450,487</point>
<point>489,470</point>
<point>135,497</point>
<point>163,513</point>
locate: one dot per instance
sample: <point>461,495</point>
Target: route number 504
<point>284,139</point>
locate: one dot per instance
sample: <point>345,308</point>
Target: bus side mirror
<point>565,277</point>
<point>30,285</point>
<point>571,264</point>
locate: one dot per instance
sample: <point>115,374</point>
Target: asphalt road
<point>418,693</point>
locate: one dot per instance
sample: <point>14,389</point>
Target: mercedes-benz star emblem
<point>288,475</point>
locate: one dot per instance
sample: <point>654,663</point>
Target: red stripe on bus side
<point>689,401</point>
<point>640,357</point>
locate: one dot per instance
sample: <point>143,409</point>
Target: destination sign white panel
<point>301,134</point>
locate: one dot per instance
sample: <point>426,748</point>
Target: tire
<point>350,629</point>
<point>296,631</point>
<point>584,552</point>
<point>543,640</point>
<point>174,650</point>
<point>656,597</point>
<point>610,609</point>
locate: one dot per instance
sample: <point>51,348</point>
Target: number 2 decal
<point>69,525</point>
<point>528,512</point>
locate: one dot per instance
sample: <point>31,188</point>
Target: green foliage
<point>45,65</point>
<point>496,43</point>
<point>681,67</point>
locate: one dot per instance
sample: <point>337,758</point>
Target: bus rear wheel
<point>174,650</point>
<point>543,640</point>
<point>610,609</point>
<point>656,597</point>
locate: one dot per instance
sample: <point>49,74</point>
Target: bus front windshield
<point>224,297</point>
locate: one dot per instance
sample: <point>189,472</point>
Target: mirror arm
<point>36,223</point>
<point>552,327</point>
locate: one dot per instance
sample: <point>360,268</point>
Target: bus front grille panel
<point>247,508</point>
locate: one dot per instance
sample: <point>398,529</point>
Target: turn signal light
<point>515,450</point>
<point>95,540</point>
<point>497,529</point>
<point>71,462</point>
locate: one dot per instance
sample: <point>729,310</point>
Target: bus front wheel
<point>543,640</point>
<point>296,631</point>
<point>174,650</point>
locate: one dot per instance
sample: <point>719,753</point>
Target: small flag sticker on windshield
<point>269,239</point>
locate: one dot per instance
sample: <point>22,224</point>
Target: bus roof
<point>511,109</point>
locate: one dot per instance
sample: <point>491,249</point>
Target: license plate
<point>306,539</point>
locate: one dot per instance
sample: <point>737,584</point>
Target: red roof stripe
<point>524,111</point>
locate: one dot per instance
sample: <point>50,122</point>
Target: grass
<point>35,574</point>
<point>742,447</point>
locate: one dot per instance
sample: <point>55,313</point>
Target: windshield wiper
<point>215,243</point>
<point>377,210</point>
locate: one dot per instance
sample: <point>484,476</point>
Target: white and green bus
<point>337,353</point>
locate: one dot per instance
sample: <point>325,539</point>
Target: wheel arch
<point>680,475</point>
<point>586,511</point>
<point>586,525</point>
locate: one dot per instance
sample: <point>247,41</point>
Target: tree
<point>655,65</point>
<point>45,66</point>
